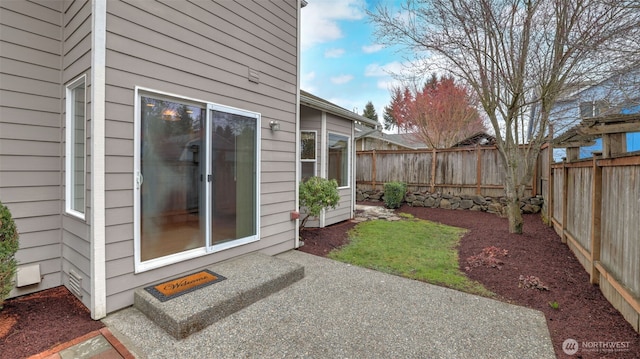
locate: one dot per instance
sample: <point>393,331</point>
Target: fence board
<point>614,261</point>
<point>579,200</point>
<point>476,170</point>
<point>620,252</point>
<point>558,203</point>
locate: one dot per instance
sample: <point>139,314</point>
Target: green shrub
<point>394,194</point>
<point>8,249</point>
<point>316,194</point>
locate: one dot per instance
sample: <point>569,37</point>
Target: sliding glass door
<point>233,177</point>
<point>197,180</point>
<point>171,163</point>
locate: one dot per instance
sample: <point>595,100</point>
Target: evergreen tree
<point>389,121</point>
<point>370,111</point>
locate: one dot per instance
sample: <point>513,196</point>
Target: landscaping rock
<point>466,203</point>
<point>459,201</point>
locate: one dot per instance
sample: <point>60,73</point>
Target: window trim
<point>348,150</point>
<point>70,123</point>
<point>315,153</point>
<point>209,248</point>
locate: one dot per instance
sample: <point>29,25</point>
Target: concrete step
<point>248,279</point>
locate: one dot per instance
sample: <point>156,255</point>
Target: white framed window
<point>197,178</point>
<point>338,159</point>
<point>75,147</point>
<point>308,154</point>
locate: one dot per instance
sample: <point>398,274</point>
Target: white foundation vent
<point>75,283</point>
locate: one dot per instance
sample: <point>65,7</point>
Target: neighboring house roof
<point>407,140</point>
<point>410,140</point>
<point>619,92</point>
<point>404,139</point>
<point>479,138</point>
<point>318,103</point>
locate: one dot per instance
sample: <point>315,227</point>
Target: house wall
<point>30,136</point>
<point>617,90</point>
<point>311,120</point>
<point>202,51</point>
<point>323,122</point>
<point>344,210</point>
<point>76,61</point>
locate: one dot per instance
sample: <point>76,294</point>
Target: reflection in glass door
<point>198,183</point>
<point>233,177</point>
<point>171,164</point>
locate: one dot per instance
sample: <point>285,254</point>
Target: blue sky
<point>340,60</point>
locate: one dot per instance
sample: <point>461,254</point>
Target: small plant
<point>554,305</point>
<point>531,282</point>
<point>394,194</point>
<point>8,248</point>
<point>489,257</point>
<point>316,194</point>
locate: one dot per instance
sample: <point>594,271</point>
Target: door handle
<point>139,179</point>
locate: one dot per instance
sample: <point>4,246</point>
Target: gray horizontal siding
<point>119,233</point>
<point>342,212</point>
<point>29,116</point>
<point>30,137</point>
<point>29,194</point>
<point>202,51</point>
<point>76,61</point>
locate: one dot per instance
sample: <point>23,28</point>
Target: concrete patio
<point>339,310</point>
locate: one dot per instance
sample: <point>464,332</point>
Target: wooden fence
<point>475,170</point>
<point>594,206</point>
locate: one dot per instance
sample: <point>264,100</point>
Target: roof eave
<point>336,110</point>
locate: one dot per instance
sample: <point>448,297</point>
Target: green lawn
<point>411,248</point>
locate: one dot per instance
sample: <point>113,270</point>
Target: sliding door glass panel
<point>234,177</point>
<point>172,167</point>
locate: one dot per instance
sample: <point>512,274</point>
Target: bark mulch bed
<point>40,321</point>
<point>538,256</point>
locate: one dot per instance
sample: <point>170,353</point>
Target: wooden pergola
<point>612,129</point>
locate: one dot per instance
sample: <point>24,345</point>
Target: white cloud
<point>377,70</point>
<point>369,49</point>
<point>306,81</point>
<point>309,76</point>
<point>334,53</point>
<point>342,79</point>
<point>388,84</point>
<point>320,19</point>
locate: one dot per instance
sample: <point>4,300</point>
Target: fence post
<point>534,180</point>
<point>479,171</point>
<point>433,170</point>
<point>373,169</point>
<point>596,217</point>
<point>550,187</point>
<point>565,199</point>
<point>550,180</point>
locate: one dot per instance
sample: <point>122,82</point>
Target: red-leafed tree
<point>441,113</point>
<point>398,109</point>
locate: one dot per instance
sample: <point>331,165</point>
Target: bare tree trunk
<point>514,215</point>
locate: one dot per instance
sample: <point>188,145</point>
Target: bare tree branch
<point>519,57</point>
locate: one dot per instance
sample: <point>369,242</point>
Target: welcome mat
<point>183,285</point>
